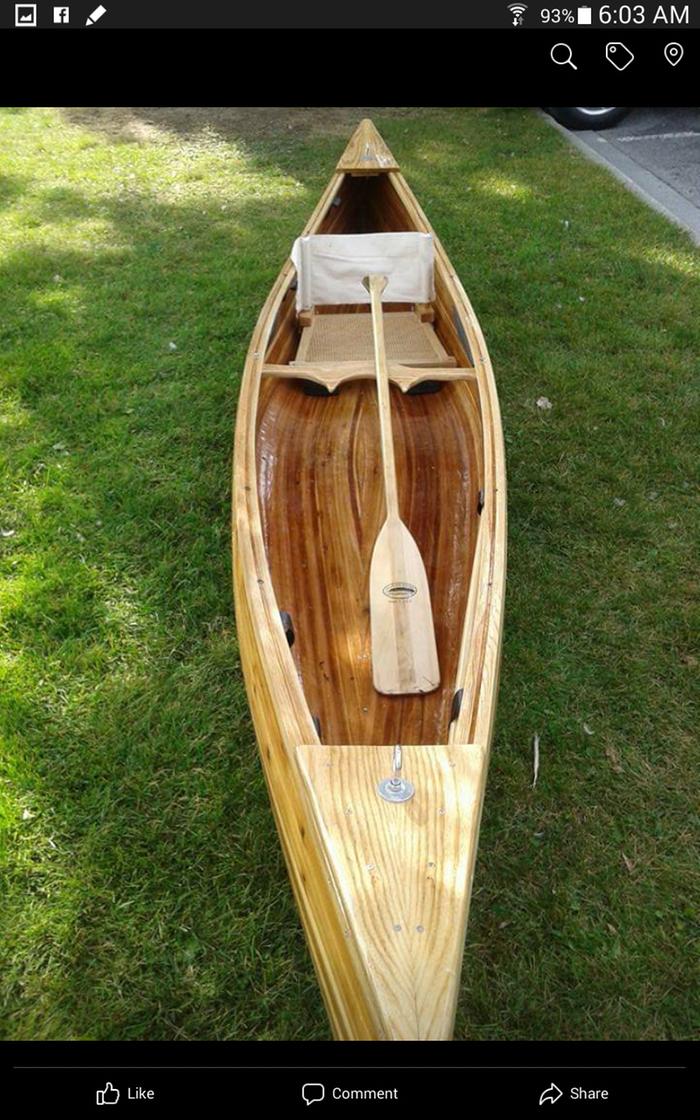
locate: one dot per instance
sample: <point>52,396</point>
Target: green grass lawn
<point>145,895</point>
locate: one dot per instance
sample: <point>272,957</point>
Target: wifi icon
<point>517,11</point>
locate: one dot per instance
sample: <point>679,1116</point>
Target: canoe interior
<point>320,487</point>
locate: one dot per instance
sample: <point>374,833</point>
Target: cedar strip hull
<point>307,505</point>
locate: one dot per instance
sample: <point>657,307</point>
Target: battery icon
<point>584,15</point>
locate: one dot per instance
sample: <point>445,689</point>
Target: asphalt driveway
<point>656,153</point>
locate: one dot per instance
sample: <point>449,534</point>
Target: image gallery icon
<point>25,15</point>
<point>61,15</point>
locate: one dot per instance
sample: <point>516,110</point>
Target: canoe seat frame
<point>336,348</point>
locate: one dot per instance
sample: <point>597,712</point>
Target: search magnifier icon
<point>562,54</point>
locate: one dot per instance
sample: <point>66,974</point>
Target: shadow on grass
<point>11,187</point>
<point>232,123</point>
<point>148,898</point>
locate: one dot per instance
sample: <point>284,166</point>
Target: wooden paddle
<point>404,653</point>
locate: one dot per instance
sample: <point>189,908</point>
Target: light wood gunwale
<point>281,714</point>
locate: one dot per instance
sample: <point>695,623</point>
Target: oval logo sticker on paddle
<point>400,591</point>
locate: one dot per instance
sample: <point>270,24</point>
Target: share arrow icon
<point>551,1095</point>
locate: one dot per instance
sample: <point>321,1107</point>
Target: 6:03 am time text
<point>622,14</point>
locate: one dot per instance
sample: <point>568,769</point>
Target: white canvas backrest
<point>331,267</point>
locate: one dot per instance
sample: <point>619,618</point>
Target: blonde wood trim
<point>433,339</point>
<point>467,669</point>
<point>402,871</point>
<point>331,376</point>
<point>376,286</point>
<point>366,153</point>
<point>352,1011</point>
<point>425,312</point>
<point>304,341</point>
<point>305,318</point>
<point>404,650</point>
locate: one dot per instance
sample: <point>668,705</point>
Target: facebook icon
<point>61,15</point>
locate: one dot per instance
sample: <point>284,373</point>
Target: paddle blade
<point>404,653</point>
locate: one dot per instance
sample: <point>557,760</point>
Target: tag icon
<point>673,53</point>
<point>618,55</point>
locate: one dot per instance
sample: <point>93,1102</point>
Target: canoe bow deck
<point>383,889</point>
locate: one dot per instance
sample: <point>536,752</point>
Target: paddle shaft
<point>376,285</point>
<point>404,649</point>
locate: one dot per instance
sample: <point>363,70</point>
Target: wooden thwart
<point>331,375</point>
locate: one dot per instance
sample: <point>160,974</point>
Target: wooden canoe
<point>382,889</point>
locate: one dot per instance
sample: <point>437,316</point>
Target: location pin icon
<point>673,53</point>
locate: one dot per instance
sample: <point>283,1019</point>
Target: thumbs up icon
<point>108,1095</point>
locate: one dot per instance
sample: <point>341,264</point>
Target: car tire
<point>580,119</point>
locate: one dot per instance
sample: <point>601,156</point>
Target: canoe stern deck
<point>402,871</point>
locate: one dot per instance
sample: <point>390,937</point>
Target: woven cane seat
<point>348,337</point>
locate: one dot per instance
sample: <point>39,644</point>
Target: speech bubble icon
<point>312,1091</point>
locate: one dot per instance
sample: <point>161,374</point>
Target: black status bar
<point>669,18</point>
<point>543,69</point>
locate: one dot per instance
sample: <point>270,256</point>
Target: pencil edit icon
<point>94,16</point>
